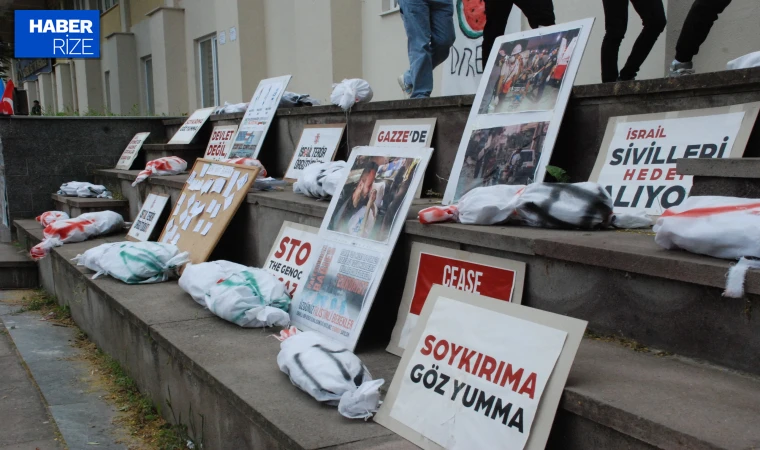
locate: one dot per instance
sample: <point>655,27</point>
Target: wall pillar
<point>32,92</point>
<point>45,91</point>
<point>120,54</point>
<point>167,43</point>
<point>89,85</point>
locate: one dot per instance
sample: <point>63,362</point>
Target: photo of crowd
<point>528,73</point>
<point>370,199</point>
<point>502,155</point>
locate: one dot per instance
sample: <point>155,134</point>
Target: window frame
<point>214,69</point>
<point>150,93</point>
<point>390,7</point>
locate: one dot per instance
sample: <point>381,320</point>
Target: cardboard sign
<point>518,109</point>
<point>258,117</point>
<point>150,214</point>
<point>403,133</point>
<point>637,160</point>
<point>292,254</point>
<point>357,237</point>
<point>192,125</point>
<point>318,144</point>
<point>429,265</point>
<point>480,373</point>
<point>130,153</point>
<point>218,148</point>
<point>212,195</point>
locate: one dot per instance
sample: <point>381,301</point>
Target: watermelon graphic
<point>472,17</point>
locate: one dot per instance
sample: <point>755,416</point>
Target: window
<point>390,6</point>
<point>105,5</point>
<point>108,91</point>
<point>149,100</point>
<point>209,75</point>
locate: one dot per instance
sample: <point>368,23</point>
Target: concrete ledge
<point>17,270</point>
<point>230,375</point>
<point>721,167</point>
<point>81,202</point>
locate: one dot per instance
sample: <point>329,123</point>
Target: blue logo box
<point>57,34</point>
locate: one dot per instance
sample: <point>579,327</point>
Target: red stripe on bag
<point>701,212</point>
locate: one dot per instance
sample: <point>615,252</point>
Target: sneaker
<point>404,87</point>
<point>678,68</point>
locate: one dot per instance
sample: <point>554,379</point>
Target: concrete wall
<point>42,153</point>
<point>110,22</point>
<point>200,22</point>
<point>170,69</point>
<point>138,9</point>
<point>736,33</point>
<point>143,48</point>
<point>119,59</point>
<point>89,86</point>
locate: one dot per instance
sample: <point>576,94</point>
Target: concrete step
<point>730,177</point>
<point>621,282</point>
<point>615,397</point>
<point>189,152</point>
<point>76,206</point>
<point>17,270</point>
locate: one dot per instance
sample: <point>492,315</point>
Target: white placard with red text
<point>318,144</point>
<point>130,153</point>
<point>148,217</point>
<point>498,278</point>
<point>292,254</point>
<point>637,161</point>
<point>480,373</point>
<point>403,133</point>
<point>219,145</point>
<point>192,126</point>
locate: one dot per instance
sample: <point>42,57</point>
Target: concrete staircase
<point>17,270</point>
<point>668,363</point>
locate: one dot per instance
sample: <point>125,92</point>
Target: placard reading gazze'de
<point>291,257</point>
<point>148,217</point>
<point>403,133</point>
<point>637,160</point>
<point>192,125</point>
<point>218,148</point>
<point>480,373</point>
<point>130,153</point>
<point>429,265</point>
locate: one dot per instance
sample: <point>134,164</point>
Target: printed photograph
<point>528,73</point>
<point>373,193</point>
<point>502,155</point>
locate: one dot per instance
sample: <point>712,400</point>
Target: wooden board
<point>200,246</point>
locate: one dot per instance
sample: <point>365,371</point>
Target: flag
<point>6,104</point>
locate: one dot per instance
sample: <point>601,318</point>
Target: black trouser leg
<point>615,24</point>
<point>540,13</point>
<point>652,15</point>
<point>702,15</point>
<point>497,14</point>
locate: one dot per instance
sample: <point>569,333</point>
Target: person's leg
<point>442,29</point>
<point>696,27</point>
<point>652,15</point>
<point>416,17</point>
<point>540,13</point>
<point>497,14</point>
<point>615,25</point>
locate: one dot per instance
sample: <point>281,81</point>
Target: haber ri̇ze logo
<point>57,34</point>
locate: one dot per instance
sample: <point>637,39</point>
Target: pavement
<point>56,397</point>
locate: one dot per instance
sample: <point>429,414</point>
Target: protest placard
<point>518,109</point>
<point>480,373</point>
<point>429,265</point>
<point>258,117</point>
<point>218,148</point>
<point>318,144</point>
<point>149,215</point>
<point>403,133</point>
<point>293,254</point>
<point>637,160</point>
<point>130,153</point>
<point>357,237</point>
<point>192,126</point>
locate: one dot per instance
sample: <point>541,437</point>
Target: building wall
<point>143,48</point>
<point>110,22</point>
<point>736,33</point>
<point>200,22</point>
<point>138,9</point>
